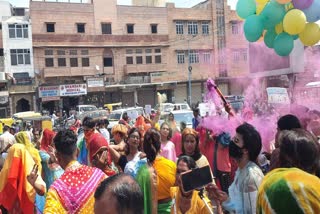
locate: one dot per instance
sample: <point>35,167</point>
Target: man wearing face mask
<point>245,149</point>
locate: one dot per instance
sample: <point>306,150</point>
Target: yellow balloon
<point>262,1</point>
<point>279,28</point>
<point>283,1</point>
<point>294,22</point>
<point>260,7</point>
<point>310,35</point>
<point>288,6</point>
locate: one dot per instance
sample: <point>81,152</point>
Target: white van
<point>116,115</point>
<point>84,108</point>
<point>168,107</point>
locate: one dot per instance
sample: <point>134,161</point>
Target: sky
<point>178,3</point>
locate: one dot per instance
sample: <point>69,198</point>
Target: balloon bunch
<point>280,22</point>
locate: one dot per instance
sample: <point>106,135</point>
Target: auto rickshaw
<point>112,106</point>
<point>5,121</point>
<point>37,122</point>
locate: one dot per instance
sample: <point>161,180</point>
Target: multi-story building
<point>17,74</point>
<point>131,53</point>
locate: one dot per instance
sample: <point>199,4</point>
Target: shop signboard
<point>73,90</point>
<point>95,82</point>
<point>48,91</point>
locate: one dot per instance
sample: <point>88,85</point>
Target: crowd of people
<point>137,168</point>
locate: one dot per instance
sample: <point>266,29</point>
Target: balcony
<point>69,72</point>
<point>144,68</point>
<point>22,85</point>
<point>137,80</point>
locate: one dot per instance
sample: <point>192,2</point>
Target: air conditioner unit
<point>2,76</point>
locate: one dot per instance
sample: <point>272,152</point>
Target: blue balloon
<point>269,38</point>
<point>273,14</point>
<point>246,8</point>
<point>253,28</point>
<point>283,44</point>
<point>313,12</point>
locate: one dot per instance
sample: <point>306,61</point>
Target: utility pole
<point>189,74</point>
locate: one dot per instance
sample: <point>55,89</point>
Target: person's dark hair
<point>126,190</point>
<point>191,163</point>
<point>104,122</point>
<point>196,110</point>
<point>170,129</point>
<point>188,131</point>
<point>183,125</point>
<point>65,142</point>
<point>125,116</point>
<point>299,148</point>
<point>251,140</point>
<point>131,131</point>
<point>88,122</point>
<point>288,122</point>
<point>6,128</point>
<point>151,144</point>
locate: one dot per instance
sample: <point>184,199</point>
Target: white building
<point>17,58</point>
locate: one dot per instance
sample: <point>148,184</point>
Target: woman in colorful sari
<point>99,154</point>
<point>51,170</point>
<point>74,191</point>
<point>17,195</point>
<point>187,202</point>
<point>164,175</point>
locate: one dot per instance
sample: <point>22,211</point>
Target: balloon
<point>294,22</point>
<point>273,13</point>
<point>260,7</point>
<point>283,1</point>
<point>302,4</point>
<point>310,35</point>
<point>262,1</point>
<point>283,44</point>
<point>269,38</point>
<point>279,28</point>
<point>313,12</point>
<point>295,37</point>
<point>246,8</point>
<point>253,28</point>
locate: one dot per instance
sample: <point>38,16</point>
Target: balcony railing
<point>137,80</point>
<point>144,68</point>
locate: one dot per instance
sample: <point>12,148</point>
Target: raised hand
<point>52,155</point>
<point>103,158</point>
<point>32,177</point>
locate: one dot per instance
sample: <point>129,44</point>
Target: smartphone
<point>196,178</point>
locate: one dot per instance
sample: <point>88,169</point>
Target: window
<point>205,28</point>
<point>61,52</point>
<point>62,62</point>
<point>138,51</point>
<point>139,60</point>
<point>107,62</point>
<point>148,51</point>
<point>106,28</point>
<point>81,28</point>
<point>20,56</point>
<point>236,56</point>
<point>73,52</point>
<point>130,28</point>
<point>129,51</point>
<point>129,60</point>
<point>179,27</point>
<point>235,28</point>
<point>49,58</point>
<point>50,27</point>
<point>85,62</point>
<point>49,62</point>
<point>157,50</point>
<point>180,57</point>
<point>84,52</point>
<point>73,62</point>
<point>148,59</point>
<point>193,56</point>
<point>207,57</point>
<point>18,31</point>
<point>220,25</point>
<point>154,28</point>
<point>157,59</point>
<point>244,55</point>
<point>192,28</point>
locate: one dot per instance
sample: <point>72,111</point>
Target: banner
<point>278,95</point>
<point>48,91</point>
<point>73,90</point>
<point>95,82</point>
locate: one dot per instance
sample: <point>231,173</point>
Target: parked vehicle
<point>168,107</point>
<point>116,115</point>
<point>113,106</point>
<point>84,108</point>
<point>179,116</point>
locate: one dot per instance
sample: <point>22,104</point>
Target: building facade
<point>130,54</point>
<point>17,75</point>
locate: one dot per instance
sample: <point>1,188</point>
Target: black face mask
<point>235,151</point>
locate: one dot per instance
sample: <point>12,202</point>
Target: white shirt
<point>5,139</point>
<point>105,134</point>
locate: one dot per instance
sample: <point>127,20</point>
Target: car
<point>116,115</point>
<point>179,116</point>
<point>168,107</point>
<point>84,108</point>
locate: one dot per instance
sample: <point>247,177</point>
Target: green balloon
<point>283,44</point>
<point>246,8</point>
<point>269,38</point>
<point>272,14</point>
<point>295,37</point>
<point>253,28</point>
